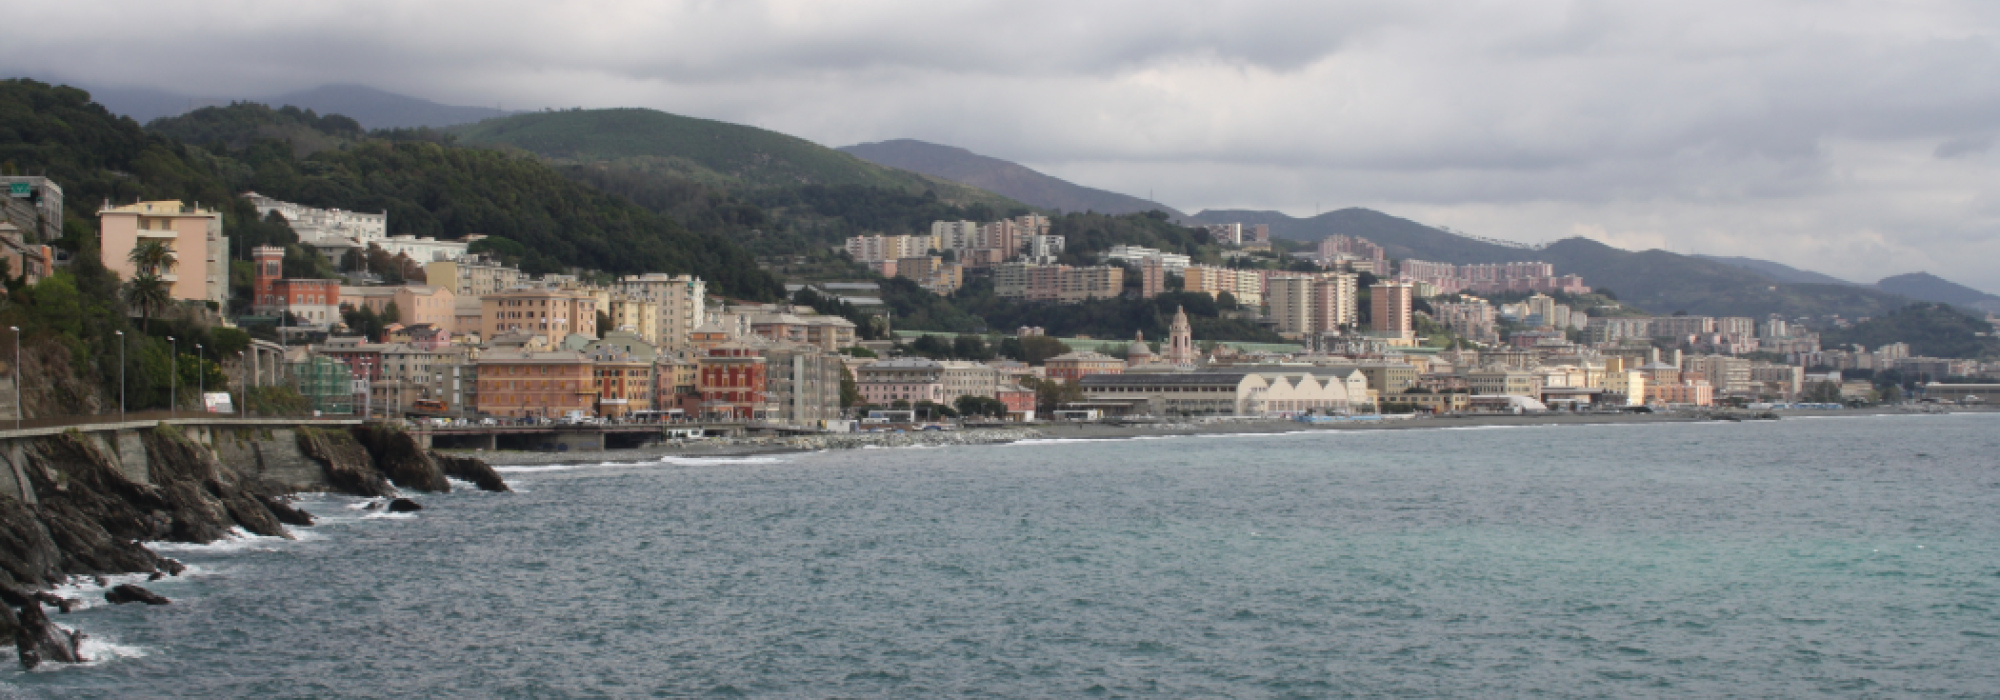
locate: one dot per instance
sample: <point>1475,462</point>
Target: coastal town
<point>461,336</point>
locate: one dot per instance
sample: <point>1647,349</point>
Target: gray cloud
<point>1848,137</point>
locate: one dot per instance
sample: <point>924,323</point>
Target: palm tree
<point>152,256</point>
<point>148,293</point>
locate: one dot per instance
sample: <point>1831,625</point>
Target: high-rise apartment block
<point>677,304</point>
<point>1308,305</point>
<point>1389,305</point>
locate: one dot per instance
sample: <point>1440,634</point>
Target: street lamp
<point>121,374</point>
<point>201,381</point>
<point>243,411</point>
<point>17,375</point>
<point>173,375</point>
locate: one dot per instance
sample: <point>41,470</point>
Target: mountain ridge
<point>707,151</point>
<point>373,108</point>
<point>1014,180</point>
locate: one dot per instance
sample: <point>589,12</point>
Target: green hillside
<point>703,150</point>
<point>1931,329</point>
<point>545,221</point>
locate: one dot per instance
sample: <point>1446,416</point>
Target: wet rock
<point>471,469</point>
<point>285,512</point>
<point>404,505</point>
<point>60,603</point>
<point>398,455</point>
<point>349,468</point>
<point>128,593</point>
<point>42,641</point>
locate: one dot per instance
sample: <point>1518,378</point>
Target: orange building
<point>310,301</point>
<point>1686,392</point>
<point>524,383</point>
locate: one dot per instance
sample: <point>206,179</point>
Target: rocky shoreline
<point>77,505</point>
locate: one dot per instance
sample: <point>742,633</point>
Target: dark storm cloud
<point>1852,137</point>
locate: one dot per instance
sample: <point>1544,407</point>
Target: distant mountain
<point>1776,271</point>
<point>1401,238</point>
<point>1664,282</point>
<point>1929,287</point>
<point>706,151</point>
<point>374,109</point>
<point>377,109</point>
<point>1654,280</point>
<point>1004,177</point>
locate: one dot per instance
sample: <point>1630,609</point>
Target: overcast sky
<point>1852,138</point>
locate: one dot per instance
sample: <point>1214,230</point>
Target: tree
<point>390,314</point>
<point>152,256</point>
<point>1821,392</point>
<point>970,347</point>
<point>149,294</point>
<point>850,392</point>
<point>1051,394</point>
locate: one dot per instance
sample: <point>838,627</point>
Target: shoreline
<point>746,447</point>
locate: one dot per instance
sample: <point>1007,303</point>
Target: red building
<point>734,383</point>
<point>1020,403</point>
<point>310,301</point>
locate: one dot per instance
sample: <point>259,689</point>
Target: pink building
<point>199,273</point>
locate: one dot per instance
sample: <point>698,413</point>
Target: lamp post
<point>173,375</point>
<point>243,411</point>
<point>121,374</point>
<point>201,381</point>
<point>17,375</point>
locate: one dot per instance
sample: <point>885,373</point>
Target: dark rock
<point>471,469</point>
<point>128,593</point>
<point>398,455</point>
<point>58,602</point>
<point>349,468</point>
<point>376,504</point>
<point>286,512</point>
<point>40,640</point>
<point>157,575</point>
<point>404,505</point>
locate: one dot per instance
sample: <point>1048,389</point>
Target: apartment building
<point>550,313</point>
<point>309,301</point>
<point>415,303</point>
<point>194,235</point>
<point>879,248</point>
<point>1246,285</point>
<point>1060,283</point>
<point>1174,263</point>
<point>473,275</point>
<point>679,305</point>
<point>903,379</point>
<point>1311,304</point>
<point>1389,306</point>
<point>522,383</point>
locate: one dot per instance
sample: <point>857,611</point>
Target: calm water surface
<point>1811,557</point>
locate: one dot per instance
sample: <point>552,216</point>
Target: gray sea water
<point>1853,557</point>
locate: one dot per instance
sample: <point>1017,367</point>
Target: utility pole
<point>201,380</point>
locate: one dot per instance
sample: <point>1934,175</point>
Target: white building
<point>1137,255</point>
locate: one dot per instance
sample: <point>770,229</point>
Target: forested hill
<point>1004,177</point>
<point>545,220</point>
<point>705,151</point>
<point>1932,330</point>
